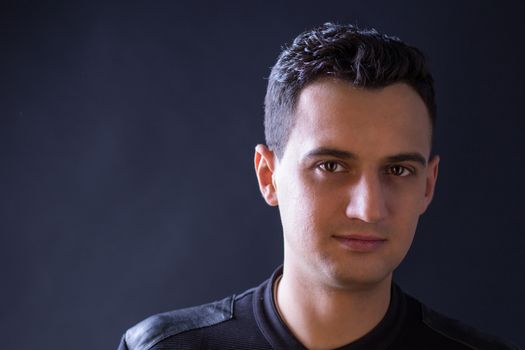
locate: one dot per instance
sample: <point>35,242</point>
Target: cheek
<point>404,209</point>
<point>301,211</point>
<point>306,212</point>
<point>406,199</point>
<point>405,219</point>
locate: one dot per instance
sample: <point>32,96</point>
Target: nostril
<point>366,201</point>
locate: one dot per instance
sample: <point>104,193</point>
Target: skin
<point>356,163</point>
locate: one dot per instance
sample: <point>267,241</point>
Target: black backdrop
<point>127,133</point>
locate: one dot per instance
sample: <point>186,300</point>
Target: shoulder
<point>156,328</point>
<point>461,333</point>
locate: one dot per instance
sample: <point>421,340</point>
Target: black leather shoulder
<point>462,333</point>
<point>156,328</point>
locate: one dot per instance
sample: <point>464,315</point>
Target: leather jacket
<point>409,324</point>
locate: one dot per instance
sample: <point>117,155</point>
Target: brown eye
<point>398,170</point>
<point>331,166</point>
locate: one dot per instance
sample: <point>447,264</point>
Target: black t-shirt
<point>251,321</point>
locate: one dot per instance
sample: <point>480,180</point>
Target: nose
<point>367,200</point>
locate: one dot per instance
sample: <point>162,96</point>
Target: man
<point>349,117</point>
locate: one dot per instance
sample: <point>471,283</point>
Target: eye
<point>331,166</point>
<point>399,170</point>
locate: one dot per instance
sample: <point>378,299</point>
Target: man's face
<point>352,182</point>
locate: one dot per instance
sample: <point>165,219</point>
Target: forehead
<point>382,121</point>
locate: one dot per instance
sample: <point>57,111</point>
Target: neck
<point>323,317</point>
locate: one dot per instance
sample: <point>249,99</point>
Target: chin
<point>346,277</point>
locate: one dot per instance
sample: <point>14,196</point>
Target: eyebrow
<point>324,151</point>
<point>336,153</point>
<point>408,157</point>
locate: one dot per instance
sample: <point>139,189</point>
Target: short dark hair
<point>363,57</point>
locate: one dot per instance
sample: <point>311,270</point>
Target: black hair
<point>363,57</point>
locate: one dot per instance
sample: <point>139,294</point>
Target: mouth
<point>360,243</point>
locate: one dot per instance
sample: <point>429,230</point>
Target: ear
<point>264,161</point>
<point>431,178</point>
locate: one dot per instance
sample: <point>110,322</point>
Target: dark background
<point>126,143</point>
